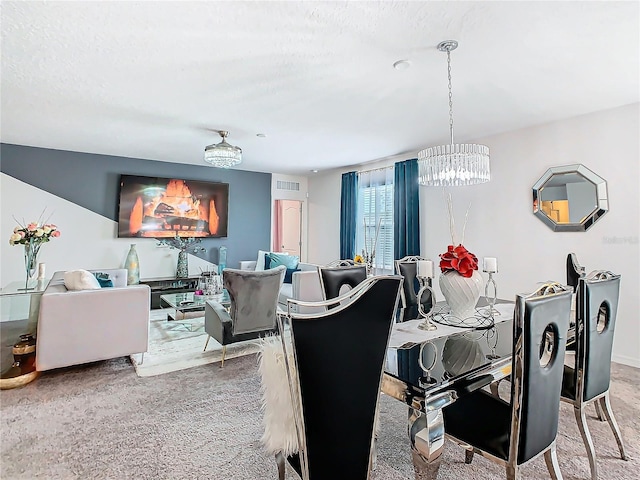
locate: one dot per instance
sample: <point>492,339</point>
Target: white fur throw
<point>278,414</point>
<point>80,280</point>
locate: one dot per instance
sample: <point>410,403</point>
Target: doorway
<point>287,227</point>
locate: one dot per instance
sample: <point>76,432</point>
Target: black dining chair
<point>587,381</point>
<point>347,262</point>
<point>513,433</point>
<point>575,271</point>
<point>333,279</point>
<point>335,396</point>
<point>408,268</point>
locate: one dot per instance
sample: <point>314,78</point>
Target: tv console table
<point>165,285</point>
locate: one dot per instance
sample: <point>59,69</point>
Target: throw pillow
<point>289,261</point>
<point>260,262</point>
<point>288,275</point>
<point>80,280</point>
<point>267,261</point>
<point>103,279</point>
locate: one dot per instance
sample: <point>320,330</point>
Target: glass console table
<point>19,310</point>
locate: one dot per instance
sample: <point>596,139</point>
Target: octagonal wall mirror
<point>570,198</point>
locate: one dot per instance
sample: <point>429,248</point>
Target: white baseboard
<point>624,359</point>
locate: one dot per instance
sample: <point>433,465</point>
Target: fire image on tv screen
<point>163,207</point>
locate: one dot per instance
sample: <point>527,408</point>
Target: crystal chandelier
<point>456,164</point>
<point>222,155</point>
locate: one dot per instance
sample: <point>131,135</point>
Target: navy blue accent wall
<point>92,181</point>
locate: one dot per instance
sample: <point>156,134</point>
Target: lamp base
<point>427,325</point>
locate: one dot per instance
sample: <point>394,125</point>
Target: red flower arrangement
<point>459,259</point>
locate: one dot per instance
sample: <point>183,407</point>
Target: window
<point>375,215</point>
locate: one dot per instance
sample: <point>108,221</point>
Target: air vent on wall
<point>282,185</point>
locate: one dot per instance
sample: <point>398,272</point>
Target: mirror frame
<point>601,194</point>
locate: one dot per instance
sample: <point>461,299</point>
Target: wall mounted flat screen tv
<point>155,207</point>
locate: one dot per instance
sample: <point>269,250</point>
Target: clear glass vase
<point>31,250</point>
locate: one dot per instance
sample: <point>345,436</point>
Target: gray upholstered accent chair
<point>587,380</point>
<point>254,303</point>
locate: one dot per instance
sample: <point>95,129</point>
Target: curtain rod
<point>374,169</point>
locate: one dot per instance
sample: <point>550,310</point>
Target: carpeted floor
<point>102,421</point>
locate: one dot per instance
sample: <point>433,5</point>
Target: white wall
<point>87,240</point>
<point>501,223</point>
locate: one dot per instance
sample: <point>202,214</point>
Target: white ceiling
<point>153,79</point>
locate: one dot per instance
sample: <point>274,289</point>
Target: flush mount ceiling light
<point>402,64</point>
<point>223,155</point>
<point>456,164</point>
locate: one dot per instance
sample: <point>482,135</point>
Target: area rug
<point>177,346</point>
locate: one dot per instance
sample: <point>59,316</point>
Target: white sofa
<point>305,284</point>
<point>82,326</point>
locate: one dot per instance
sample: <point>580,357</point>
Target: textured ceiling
<point>153,79</point>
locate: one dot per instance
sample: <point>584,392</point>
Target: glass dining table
<point>429,370</point>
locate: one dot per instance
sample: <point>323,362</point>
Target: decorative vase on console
<point>460,282</point>
<point>132,264</point>
<point>182,269</point>
<point>182,244</point>
<point>32,236</point>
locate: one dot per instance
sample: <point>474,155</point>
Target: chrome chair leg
<point>608,413</point>
<point>468,456</point>
<point>581,419</point>
<point>551,459</point>
<point>494,389</point>
<point>141,359</point>
<point>423,469</point>
<point>224,352</point>
<point>373,460</point>
<point>280,461</point>
<point>513,473</point>
<point>206,343</point>
<point>599,414</point>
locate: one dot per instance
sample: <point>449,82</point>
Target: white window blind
<point>375,213</point>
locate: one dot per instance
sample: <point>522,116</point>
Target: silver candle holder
<point>424,273</point>
<point>490,266</point>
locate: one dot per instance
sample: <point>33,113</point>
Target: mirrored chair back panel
<point>339,356</point>
<point>540,330</point>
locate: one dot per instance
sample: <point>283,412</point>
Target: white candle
<point>425,269</point>
<point>490,265</point>
<point>41,271</point>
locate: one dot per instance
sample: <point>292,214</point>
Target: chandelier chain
<point>450,94</point>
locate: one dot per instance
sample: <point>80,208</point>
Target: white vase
<point>461,293</point>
